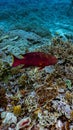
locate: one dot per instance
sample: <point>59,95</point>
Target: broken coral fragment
<point>4,37</point>
<point>23,123</point>
<point>10,118</point>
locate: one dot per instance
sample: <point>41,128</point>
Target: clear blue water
<point>46,16</point>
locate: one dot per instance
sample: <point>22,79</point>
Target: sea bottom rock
<point>23,123</point>
<point>10,118</point>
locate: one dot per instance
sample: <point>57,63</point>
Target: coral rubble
<point>39,99</point>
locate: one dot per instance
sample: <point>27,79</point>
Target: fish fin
<point>21,56</point>
<point>15,61</point>
<point>40,68</point>
<point>12,60</point>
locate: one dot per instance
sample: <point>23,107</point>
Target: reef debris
<point>41,99</point>
<point>24,123</point>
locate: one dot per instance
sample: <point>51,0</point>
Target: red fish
<point>37,59</point>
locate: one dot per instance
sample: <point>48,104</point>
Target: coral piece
<point>46,94</point>
<point>46,118</point>
<point>61,83</point>
<point>38,110</point>
<point>10,118</point>
<point>4,37</point>
<point>23,80</point>
<point>62,126</point>
<point>31,102</point>
<point>15,38</point>
<point>24,123</point>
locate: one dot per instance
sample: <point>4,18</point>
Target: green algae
<point>68,84</point>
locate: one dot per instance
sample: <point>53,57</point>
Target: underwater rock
<point>3,114</point>
<point>23,80</point>
<point>62,107</point>
<point>46,118</point>
<point>10,118</point>
<point>24,123</point>
<point>49,69</point>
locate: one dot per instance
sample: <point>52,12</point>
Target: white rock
<point>23,123</point>
<point>49,69</point>
<point>10,118</point>
<point>3,114</point>
<point>59,125</point>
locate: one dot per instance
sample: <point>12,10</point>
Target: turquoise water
<point>44,17</point>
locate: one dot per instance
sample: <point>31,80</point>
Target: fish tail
<point>15,61</point>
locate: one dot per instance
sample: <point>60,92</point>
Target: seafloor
<point>33,99</point>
